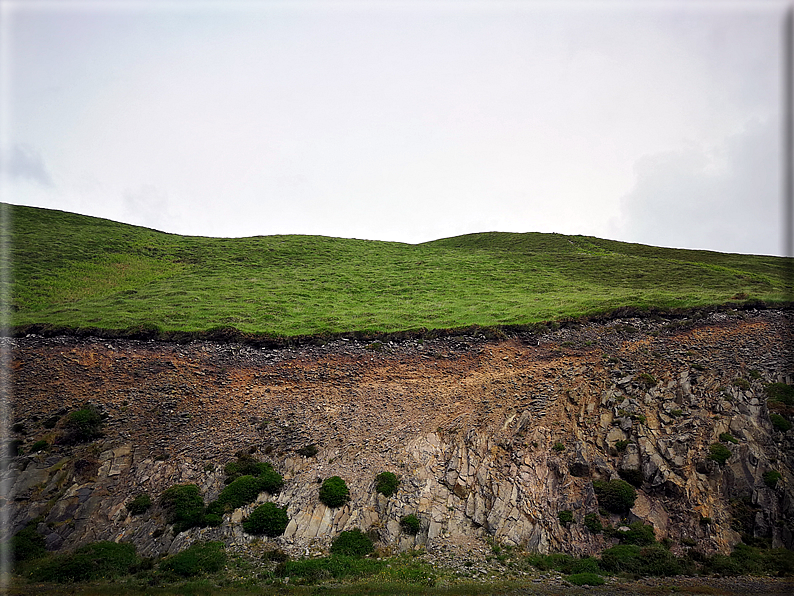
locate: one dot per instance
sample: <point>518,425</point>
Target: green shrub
<point>202,557</point>
<point>386,483</point>
<point>556,561</point>
<point>352,544</point>
<point>92,561</point>
<point>742,384</point>
<point>565,517</point>
<point>780,423</point>
<point>781,393</point>
<point>622,444</point>
<point>593,523</point>
<point>139,504</point>
<point>633,477</point>
<point>771,478</point>
<point>41,445</point>
<point>334,492</point>
<point>184,506</point>
<point>639,533</point>
<point>241,491</point>
<point>646,379</point>
<point>82,426</point>
<point>676,413</point>
<point>586,579</point>
<point>308,450</point>
<point>247,465</point>
<point>267,519</point>
<point>728,438</point>
<point>651,560</point>
<point>719,453</point>
<point>616,496</point>
<point>749,560</point>
<point>309,571</point>
<point>28,543</point>
<point>558,447</point>
<point>410,524</point>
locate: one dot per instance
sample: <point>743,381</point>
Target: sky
<point>650,122</point>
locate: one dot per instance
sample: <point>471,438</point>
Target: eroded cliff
<point>491,439</point>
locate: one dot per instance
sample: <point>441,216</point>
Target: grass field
<point>80,271</point>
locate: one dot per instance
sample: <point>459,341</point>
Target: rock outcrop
<point>489,438</point>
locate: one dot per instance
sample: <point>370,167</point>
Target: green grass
<point>77,271</point>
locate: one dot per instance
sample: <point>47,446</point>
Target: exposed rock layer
<point>469,425</point>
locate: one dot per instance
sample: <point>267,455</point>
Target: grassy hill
<point>80,271</point>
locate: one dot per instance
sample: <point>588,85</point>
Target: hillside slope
<point>76,271</point>
<point>491,439</point>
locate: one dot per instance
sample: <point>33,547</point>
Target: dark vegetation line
<point>683,318</point>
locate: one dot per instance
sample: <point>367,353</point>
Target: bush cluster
<point>565,517</point>
<point>89,562</point>
<point>728,438</point>
<point>334,492</point>
<point>410,524</point>
<point>202,557</point>
<point>353,543</point>
<point>386,483</point>
<point>82,426</point>
<point>617,496</point>
<point>28,544</point>
<point>139,504</point>
<point>308,450</point>
<point>267,519</point>
<point>771,478</point>
<point>184,506</point>
<point>779,422</point>
<point>719,453</point>
<point>592,522</point>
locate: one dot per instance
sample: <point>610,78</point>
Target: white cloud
<point>725,198</point>
<point>23,162</point>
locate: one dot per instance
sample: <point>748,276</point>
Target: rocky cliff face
<point>489,438</point>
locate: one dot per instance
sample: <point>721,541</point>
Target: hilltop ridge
<point>73,272</point>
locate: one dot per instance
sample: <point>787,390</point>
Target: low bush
<point>247,465</point>
<point>622,444</point>
<point>41,445</point>
<point>719,453</point>
<point>308,450</point>
<point>617,496</point>
<point>309,571</point>
<point>558,447</point>
<point>633,477</point>
<point>202,557</point>
<point>645,379</point>
<point>386,483</point>
<point>742,384</point>
<point>410,524</point>
<point>184,506</point>
<point>241,491</point>
<point>728,438</point>
<point>92,561</point>
<point>586,579</point>
<point>749,560</point>
<point>780,393</point>
<point>780,423</point>
<point>267,519</point>
<point>592,522</point>
<point>353,543</point>
<point>28,544</point>
<point>565,517</point>
<point>555,561</point>
<point>334,492</point>
<point>139,504</point>
<point>82,426</point>
<point>639,534</point>
<point>632,559</point>
<point>771,478</point>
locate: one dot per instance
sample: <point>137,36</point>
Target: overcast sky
<point>651,122</point>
